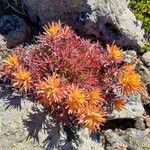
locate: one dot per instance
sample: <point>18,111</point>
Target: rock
<point>26,126</point>
<point>2,43</point>
<point>132,139</point>
<point>110,20</point>
<point>145,75</point>
<point>87,143</point>
<point>145,96</point>
<point>48,11</point>
<point>14,30</point>
<point>144,72</point>
<point>146,143</point>
<point>3,49</point>
<point>137,139</point>
<point>115,22</point>
<point>139,123</point>
<point>133,109</point>
<point>130,56</point>
<point>146,59</point>
<point>3,6</point>
<point>114,141</point>
<point>147,121</point>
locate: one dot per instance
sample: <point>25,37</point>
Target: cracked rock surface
<point>110,20</point>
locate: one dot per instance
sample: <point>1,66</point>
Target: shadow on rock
<point>53,139</point>
<point>53,135</point>
<point>61,137</point>
<point>35,122</point>
<point>11,98</point>
<point>14,102</point>
<point>95,136</point>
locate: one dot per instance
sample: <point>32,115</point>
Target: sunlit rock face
<point>110,20</point>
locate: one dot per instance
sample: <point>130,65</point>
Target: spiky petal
<point>11,62</point>
<point>51,89</point>
<point>22,79</point>
<point>76,99</point>
<point>119,104</point>
<point>114,52</point>
<point>52,29</point>
<point>65,31</point>
<point>130,82</point>
<point>92,117</point>
<point>95,96</point>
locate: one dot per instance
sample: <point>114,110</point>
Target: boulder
<point>130,56</point>
<point>132,139</point>
<point>14,30</point>
<point>146,59</point>
<point>132,110</point>
<point>110,20</point>
<point>145,76</point>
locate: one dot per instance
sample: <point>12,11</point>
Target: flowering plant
<point>75,79</point>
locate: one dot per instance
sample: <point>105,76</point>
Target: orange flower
<point>52,29</point>
<point>76,99</point>
<point>95,96</point>
<point>130,82</point>
<point>92,117</point>
<point>119,104</point>
<point>22,79</point>
<point>51,89</point>
<point>114,52</point>
<point>11,62</point>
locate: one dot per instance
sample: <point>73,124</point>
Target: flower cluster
<point>75,79</point>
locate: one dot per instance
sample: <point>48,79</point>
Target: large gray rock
<point>110,19</point>
<point>133,109</point>
<point>14,30</point>
<point>132,139</point>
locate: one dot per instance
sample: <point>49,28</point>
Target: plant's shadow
<point>11,98</point>
<point>35,122</point>
<point>57,136</point>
